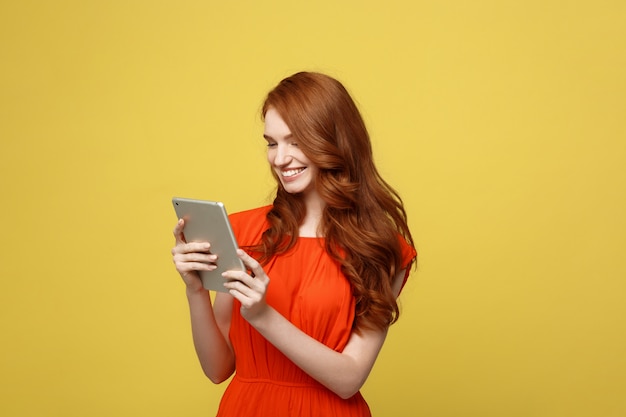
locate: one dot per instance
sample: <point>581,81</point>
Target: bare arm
<point>210,322</point>
<point>209,328</point>
<point>344,372</point>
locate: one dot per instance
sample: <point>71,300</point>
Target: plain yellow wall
<point>502,124</point>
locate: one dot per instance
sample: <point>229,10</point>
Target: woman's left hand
<point>248,289</point>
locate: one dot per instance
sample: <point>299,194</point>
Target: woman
<point>303,327</point>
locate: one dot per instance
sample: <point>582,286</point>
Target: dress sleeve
<point>409,254</point>
<point>249,225</point>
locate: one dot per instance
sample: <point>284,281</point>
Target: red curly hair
<point>364,217</point>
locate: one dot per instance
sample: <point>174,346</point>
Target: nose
<point>282,156</point>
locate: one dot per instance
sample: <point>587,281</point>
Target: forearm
<point>344,373</point>
<point>212,348</point>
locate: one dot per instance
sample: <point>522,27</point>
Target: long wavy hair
<point>363,218</point>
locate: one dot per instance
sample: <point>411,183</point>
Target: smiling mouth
<point>292,172</point>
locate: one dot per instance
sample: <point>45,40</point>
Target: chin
<point>291,190</point>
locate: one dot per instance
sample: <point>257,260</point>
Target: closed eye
<point>270,142</point>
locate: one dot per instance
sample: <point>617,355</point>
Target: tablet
<point>207,221</point>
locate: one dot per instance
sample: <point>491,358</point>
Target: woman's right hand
<point>191,257</point>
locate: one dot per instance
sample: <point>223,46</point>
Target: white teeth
<point>292,172</point>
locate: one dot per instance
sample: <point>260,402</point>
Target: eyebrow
<point>268,137</point>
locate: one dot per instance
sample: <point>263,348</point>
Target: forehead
<point>275,126</point>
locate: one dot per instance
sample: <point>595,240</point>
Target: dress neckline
<point>310,238</point>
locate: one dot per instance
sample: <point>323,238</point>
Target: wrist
<point>258,318</point>
<point>196,291</point>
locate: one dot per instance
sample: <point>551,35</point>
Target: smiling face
<point>294,170</point>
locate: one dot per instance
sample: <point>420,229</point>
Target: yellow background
<point>502,124</point>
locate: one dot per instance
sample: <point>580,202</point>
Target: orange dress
<point>308,288</point>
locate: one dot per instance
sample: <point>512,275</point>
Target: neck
<point>314,210</point>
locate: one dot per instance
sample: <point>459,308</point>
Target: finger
<point>239,276</point>
<point>239,287</point>
<point>251,263</point>
<point>178,231</point>
<point>238,296</point>
<point>201,247</point>
<point>251,287</point>
<point>194,266</point>
<point>195,261</point>
<point>195,257</point>
<point>248,296</point>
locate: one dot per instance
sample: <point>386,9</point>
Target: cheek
<point>303,158</point>
<point>312,167</point>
